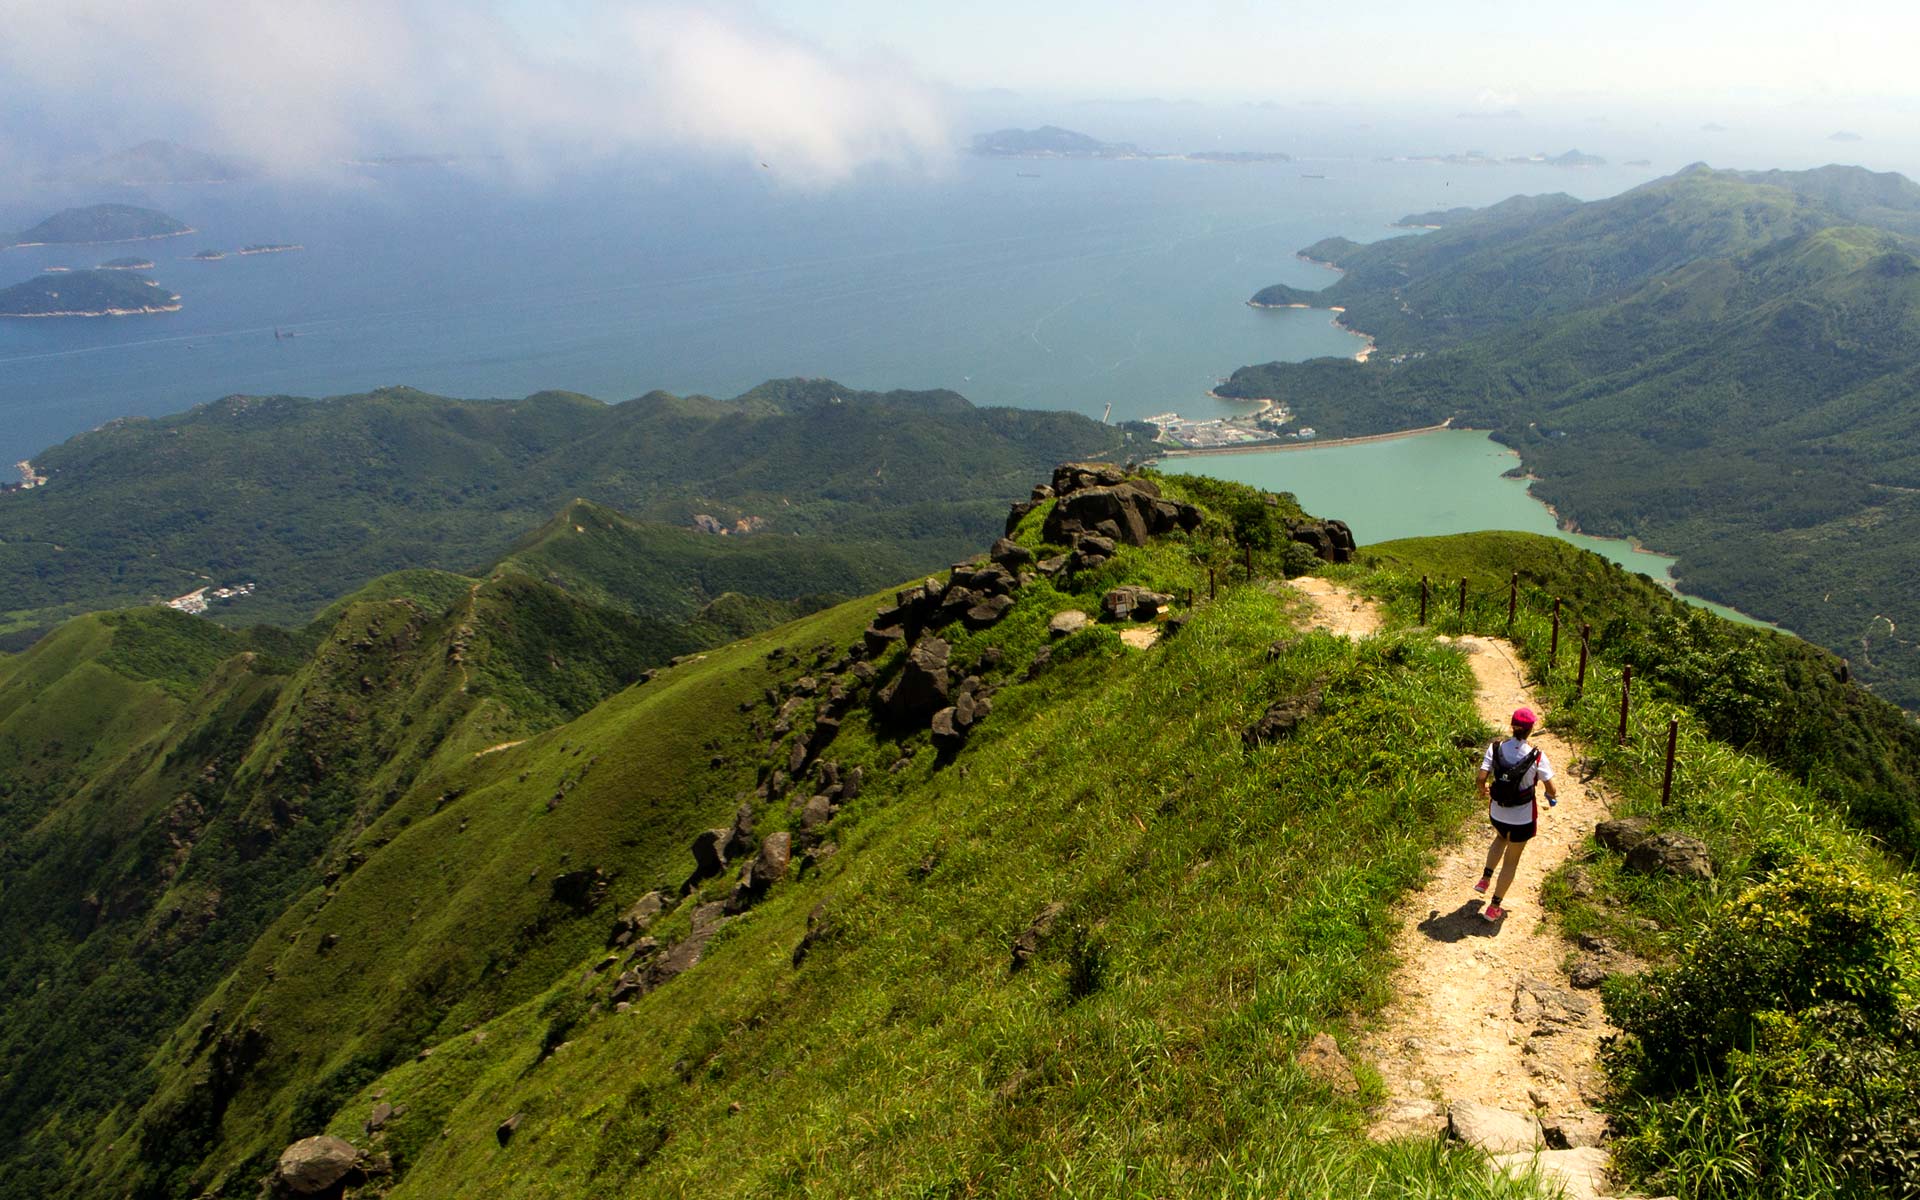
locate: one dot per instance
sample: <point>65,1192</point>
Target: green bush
<point>1812,933</point>
<point>1780,1056</point>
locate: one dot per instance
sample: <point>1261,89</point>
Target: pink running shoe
<point>1494,912</point>
<point>1482,885</point>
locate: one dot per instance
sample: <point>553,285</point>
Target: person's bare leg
<point>1494,851</point>
<point>1508,869</point>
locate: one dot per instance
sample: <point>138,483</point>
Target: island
<point>1238,157</point>
<point>1477,158</point>
<point>207,255</point>
<point>269,248</point>
<point>131,262</point>
<point>1049,141</point>
<point>101,223</point>
<point>86,294</point>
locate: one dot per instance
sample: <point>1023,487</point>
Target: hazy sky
<point>822,88</point>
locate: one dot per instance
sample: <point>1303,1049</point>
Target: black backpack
<point>1505,780</point>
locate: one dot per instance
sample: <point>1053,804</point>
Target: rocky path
<point>1487,1033</point>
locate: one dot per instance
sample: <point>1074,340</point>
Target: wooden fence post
<point>1463,595</point>
<point>1580,686</point>
<point>1626,693</point>
<point>1673,741</point>
<point>1553,650</point>
<point>1513,599</point>
<point>1423,599</point>
<point>1249,564</point>
<point>1212,583</point>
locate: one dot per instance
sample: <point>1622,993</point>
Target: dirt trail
<point>1484,1014</point>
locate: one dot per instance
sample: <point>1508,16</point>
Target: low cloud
<point>300,86</point>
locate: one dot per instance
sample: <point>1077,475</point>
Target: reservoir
<point>1447,481</point>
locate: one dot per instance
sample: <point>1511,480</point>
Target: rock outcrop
<point>1330,541</point>
<point>315,1166</point>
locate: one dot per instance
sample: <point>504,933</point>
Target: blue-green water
<point>1045,285</point>
<point>1449,481</point>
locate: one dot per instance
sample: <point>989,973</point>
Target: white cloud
<point>295,85</point>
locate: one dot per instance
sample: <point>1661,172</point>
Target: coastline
<point>1338,311</point>
<point>104,312</point>
<point>1316,444</point>
<point>150,237</point>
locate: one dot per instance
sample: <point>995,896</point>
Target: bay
<point>1425,485</point>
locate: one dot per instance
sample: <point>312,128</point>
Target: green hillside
<point>100,293</point>
<point>309,499</point>
<point>423,880</point>
<point>100,223</point>
<point>1719,365</point>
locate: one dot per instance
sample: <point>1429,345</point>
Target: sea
<point>1112,288</point>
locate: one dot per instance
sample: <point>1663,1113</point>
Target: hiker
<point>1509,771</point>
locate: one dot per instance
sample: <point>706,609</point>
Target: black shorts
<point>1516,833</point>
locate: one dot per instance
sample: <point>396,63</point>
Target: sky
<point>828,88</point>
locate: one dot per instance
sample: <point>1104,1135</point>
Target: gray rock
<point>817,813</point>
<point>987,612</point>
<point>776,852</point>
<point>1069,622</point>
<point>1010,554</point>
<point>948,736</point>
<point>1282,717</point>
<point>378,1118</point>
<point>1052,566</point>
<point>1538,1003</point>
<point>1494,1130</point>
<point>1331,541</point>
<point>1569,1131</point>
<point>1671,853</point>
<point>314,1165</point>
<point>1587,974</point>
<point>921,688</point>
<point>1131,603</point>
<point>504,1132</point>
<point>1623,833</point>
<point>1408,1117</point>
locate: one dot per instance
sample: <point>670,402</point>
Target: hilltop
<point>1663,360</point>
<point>1077,860</point>
<point>108,292</point>
<point>101,223</point>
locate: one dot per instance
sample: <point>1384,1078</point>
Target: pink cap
<point>1524,716</point>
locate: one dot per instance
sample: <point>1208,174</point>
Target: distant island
<point>208,255</point>
<point>159,162</point>
<point>1476,158</point>
<point>131,262</point>
<point>1236,157</point>
<point>1051,141</point>
<point>86,294</point>
<point>269,248</point>
<point>101,223</point>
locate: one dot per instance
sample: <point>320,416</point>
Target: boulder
<point>636,919</point>
<point>1010,555</point>
<point>1132,603</point>
<point>1671,853</point>
<point>921,688</point>
<point>876,638</point>
<point>1114,512</point>
<point>1282,718</point>
<point>1330,541</point>
<point>1570,1131</point>
<point>948,734</point>
<point>709,853</point>
<point>818,811</point>
<point>378,1118</point>
<point>1587,974</point>
<point>1052,566</point>
<point>1623,833</point>
<point>770,867</point>
<point>1408,1117</point>
<point>740,833</point>
<point>314,1166</point>
<point>1073,477</point>
<point>987,611</point>
<point>1069,622</point>
<point>1323,1062</point>
<point>1494,1130</point>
